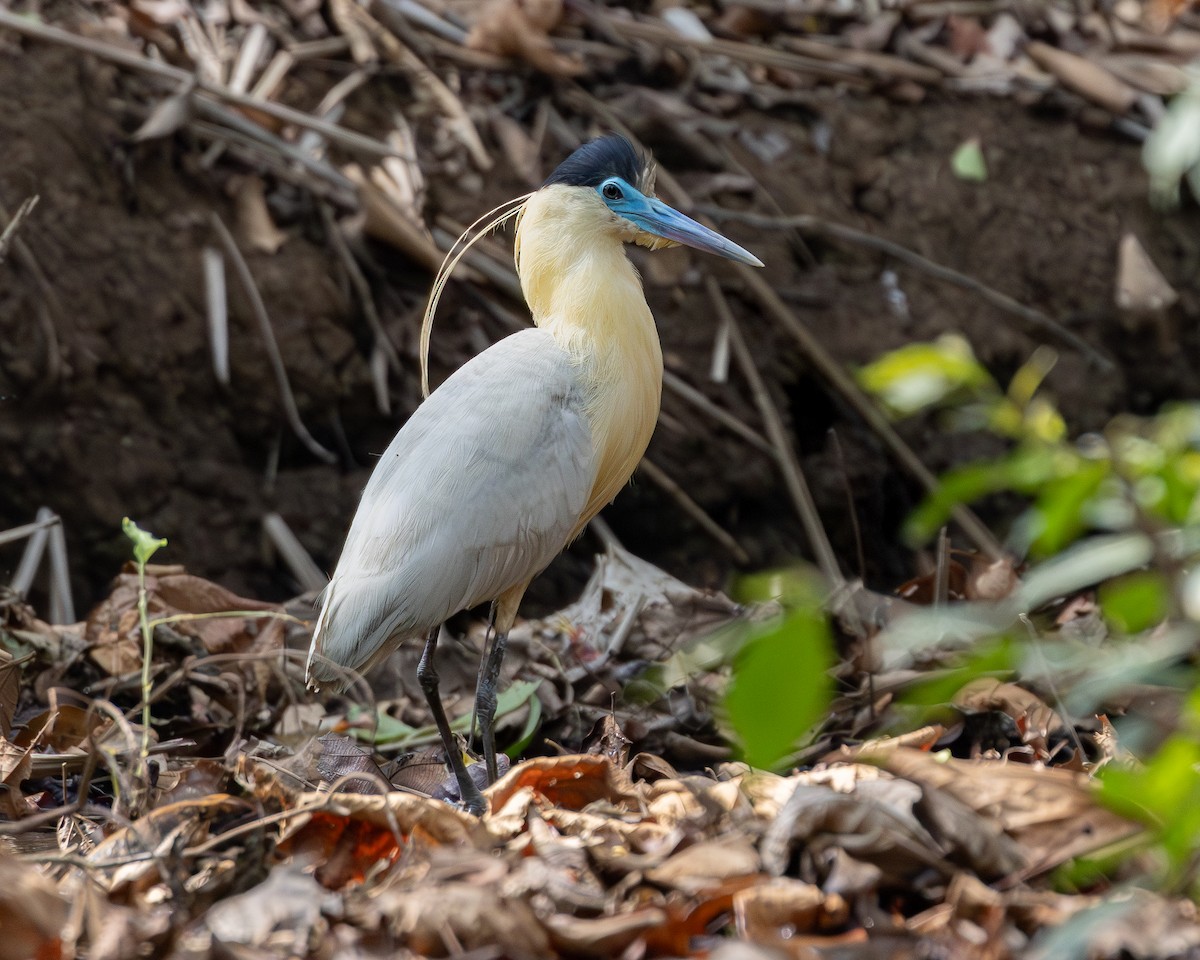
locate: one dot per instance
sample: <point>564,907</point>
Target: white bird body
<point>509,459</point>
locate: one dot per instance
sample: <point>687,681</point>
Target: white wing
<point>477,493</point>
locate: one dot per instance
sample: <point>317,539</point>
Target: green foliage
<point>1135,602</point>
<point>1165,796</point>
<point>144,547</point>
<point>387,731</point>
<point>926,699</point>
<point>921,374</point>
<point>1138,472</point>
<point>145,544</point>
<point>781,685</point>
<point>967,162</point>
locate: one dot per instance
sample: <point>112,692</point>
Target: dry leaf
<point>1141,287</point>
<point>706,864</point>
<point>1084,77</point>
<point>520,28</point>
<point>167,116</point>
<point>773,914</point>
<point>255,227</point>
<point>601,936</point>
<point>287,900</point>
<point>452,918</point>
<point>571,782</point>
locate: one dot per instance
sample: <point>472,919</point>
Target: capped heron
<point>507,461</point>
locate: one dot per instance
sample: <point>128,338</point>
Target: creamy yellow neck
<point>582,289</point>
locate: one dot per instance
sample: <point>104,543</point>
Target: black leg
<point>485,702</point>
<point>427,676</point>
<point>483,659</point>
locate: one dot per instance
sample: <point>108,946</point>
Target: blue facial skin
<point>654,216</point>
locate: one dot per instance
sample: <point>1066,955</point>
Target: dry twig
<point>291,411</point>
<point>10,231</point>
<point>1035,319</point>
<point>793,475</point>
<point>662,479</point>
<point>352,141</point>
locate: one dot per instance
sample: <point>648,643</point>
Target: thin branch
<point>358,281</point>
<point>659,476</point>
<point>842,382</point>
<point>793,475</point>
<point>299,561</point>
<point>834,375</point>
<point>10,231</point>
<point>1035,319</point>
<point>291,411</point>
<point>689,394</point>
<point>49,307</point>
<point>356,142</point>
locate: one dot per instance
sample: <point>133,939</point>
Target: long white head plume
<point>495,218</point>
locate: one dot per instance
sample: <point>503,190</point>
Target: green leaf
<point>1165,793</point>
<point>1135,602</point>
<point>392,733</point>
<point>997,657</point>
<point>526,735</point>
<point>781,685</point>
<point>923,374</point>
<point>145,544</point>
<point>967,162</point>
<point>1060,508</point>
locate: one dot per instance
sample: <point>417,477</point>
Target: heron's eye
<point>612,192</point>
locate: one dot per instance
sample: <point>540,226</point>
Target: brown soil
<point>137,425</point>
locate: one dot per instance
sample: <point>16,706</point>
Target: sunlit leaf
<point>1060,506</point>
<point>967,162</point>
<point>1164,794</point>
<point>1135,602</point>
<point>781,687</point>
<point>145,544</point>
<point>1031,375</point>
<point>922,374</point>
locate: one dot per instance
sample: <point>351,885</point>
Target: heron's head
<point>605,186</point>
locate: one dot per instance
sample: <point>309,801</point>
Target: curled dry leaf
<point>343,757</point>
<point>1033,717</point>
<point>152,837</point>
<point>1051,813</point>
<point>992,579</point>
<point>62,728</point>
<point>570,782</point>
<point>520,29</point>
<point>881,831</point>
<point>112,631</point>
<point>601,936</point>
<point>351,834</point>
<point>255,227</point>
